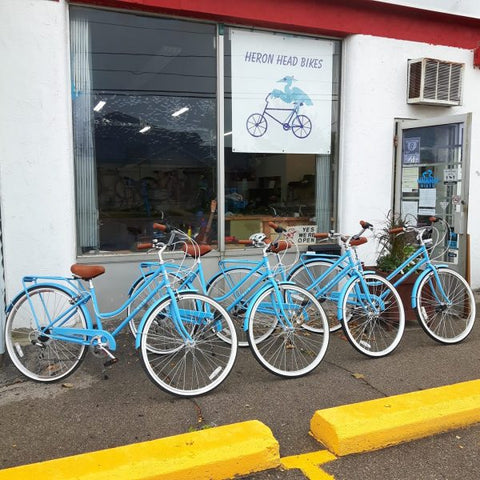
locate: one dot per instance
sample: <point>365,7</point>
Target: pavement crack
<point>198,411</point>
<point>200,423</point>
<point>359,376</point>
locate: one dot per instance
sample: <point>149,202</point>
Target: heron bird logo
<point>294,97</point>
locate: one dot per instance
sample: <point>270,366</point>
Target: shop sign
<point>450,176</point>
<point>411,150</point>
<point>302,234</point>
<point>281,93</point>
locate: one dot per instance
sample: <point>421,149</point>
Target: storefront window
<point>281,110</point>
<point>144,116</point>
<point>144,96</point>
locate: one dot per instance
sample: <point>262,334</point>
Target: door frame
<point>404,124</point>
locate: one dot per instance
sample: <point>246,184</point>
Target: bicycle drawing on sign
<point>299,124</point>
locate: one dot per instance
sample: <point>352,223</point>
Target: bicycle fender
<point>340,298</point>
<point>254,298</point>
<point>252,301</point>
<point>134,284</point>
<point>419,279</point>
<point>150,310</point>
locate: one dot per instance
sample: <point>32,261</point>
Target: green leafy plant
<point>395,248</point>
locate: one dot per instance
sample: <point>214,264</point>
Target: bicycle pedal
<point>110,362</point>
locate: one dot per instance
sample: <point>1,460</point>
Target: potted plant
<point>395,248</point>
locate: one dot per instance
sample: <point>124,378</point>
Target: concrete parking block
<point>212,454</point>
<point>379,423</point>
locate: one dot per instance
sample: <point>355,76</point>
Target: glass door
<point>432,171</point>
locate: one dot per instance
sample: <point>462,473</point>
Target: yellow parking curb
<point>213,454</point>
<point>375,424</point>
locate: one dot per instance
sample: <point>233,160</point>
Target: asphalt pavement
<point>94,410</point>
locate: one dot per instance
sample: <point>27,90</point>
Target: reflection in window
<point>144,111</point>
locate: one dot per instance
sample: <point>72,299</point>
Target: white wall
<point>36,165</point>
<point>373,96</point>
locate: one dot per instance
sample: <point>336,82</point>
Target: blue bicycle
<point>187,341</point>
<point>365,305</point>
<point>442,298</point>
<point>284,325</point>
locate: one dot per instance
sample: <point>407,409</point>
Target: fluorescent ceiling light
<point>227,133</point>
<point>99,106</point>
<point>145,129</point>
<point>179,112</point>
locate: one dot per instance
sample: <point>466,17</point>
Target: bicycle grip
<point>434,219</point>
<point>245,242</point>
<point>396,230</point>
<point>160,227</point>
<point>279,246</point>
<point>320,235</point>
<point>144,245</point>
<point>355,242</point>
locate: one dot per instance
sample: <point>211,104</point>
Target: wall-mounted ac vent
<point>434,82</point>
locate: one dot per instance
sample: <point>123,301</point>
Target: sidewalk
<point>348,405</point>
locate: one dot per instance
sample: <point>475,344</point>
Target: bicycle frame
<point>421,254</point>
<point>349,267</point>
<point>265,273</point>
<point>293,112</point>
<point>260,270</point>
<point>93,335</point>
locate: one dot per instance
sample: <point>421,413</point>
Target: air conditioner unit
<point>435,82</point>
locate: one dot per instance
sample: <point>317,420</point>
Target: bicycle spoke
<point>373,316</point>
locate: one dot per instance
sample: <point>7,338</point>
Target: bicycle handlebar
<point>144,245</point>
<point>353,240</point>
<point>277,228</point>
<point>415,228</point>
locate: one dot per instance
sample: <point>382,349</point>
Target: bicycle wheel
<point>227,285</point>
<point>301,126</point>
<point>278,332</point>
<point>445,307</point>
<point>29,343</point>
<point>373,317</point>
<point>256,124</point>
<point>305,275</point>
<point>194,359</point>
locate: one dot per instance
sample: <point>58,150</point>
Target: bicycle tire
<point>188,368</point>
<point>306,273</point>
<point>373,327</point>
<point>446,323</point>
<point>301,126</point>
<point>287,351</point>
<point>227,284</point>
<point>34,352</point>
<point>256,125</point>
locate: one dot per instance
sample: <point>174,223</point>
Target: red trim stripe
<point>337,18</point>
